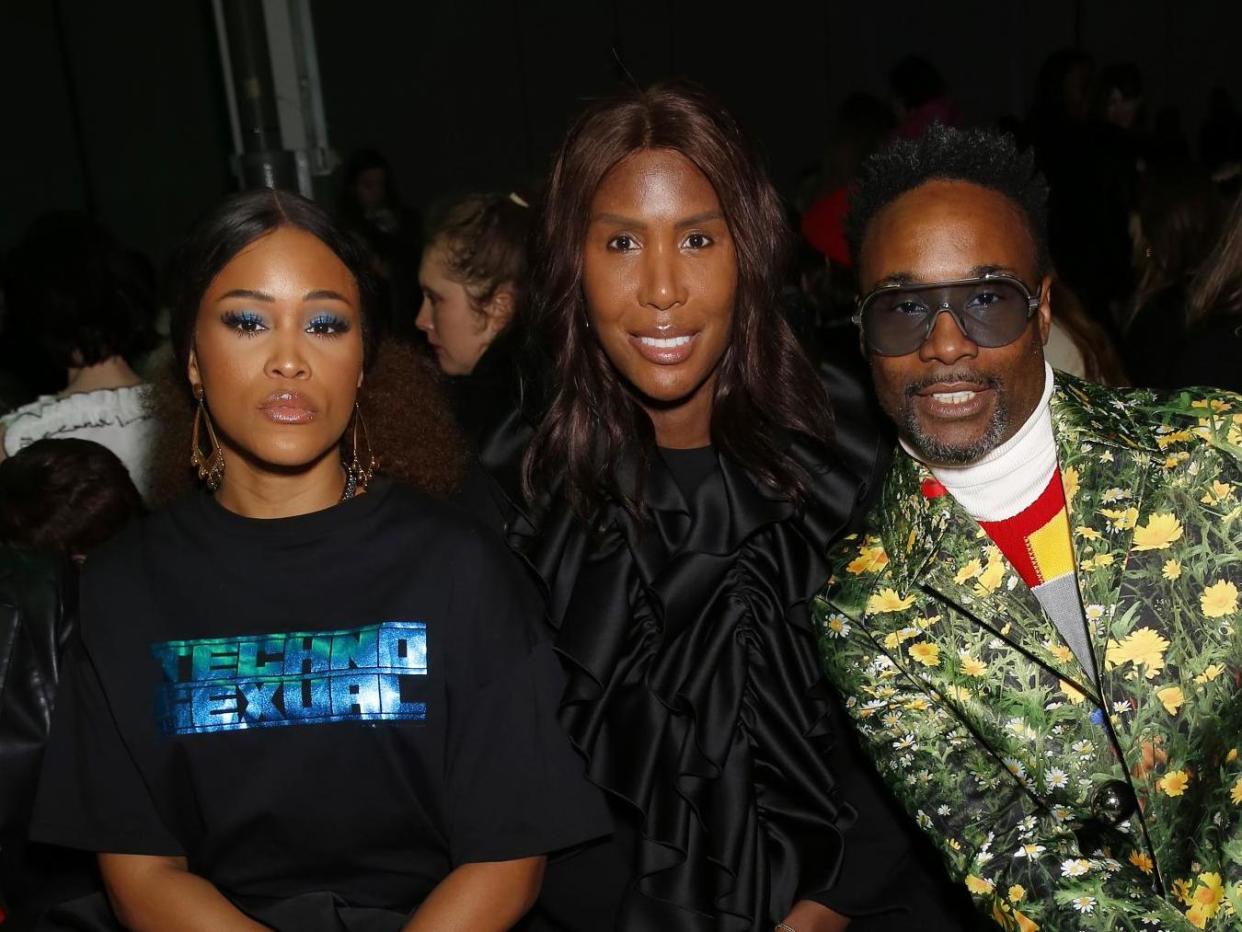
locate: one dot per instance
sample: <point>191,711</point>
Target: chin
<point>668,388</point>
<point>290,457</point>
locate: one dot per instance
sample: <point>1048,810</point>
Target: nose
<point>423,321</point>
<point>947,343</point>
<point>288,359</point>
<point>661,286</point>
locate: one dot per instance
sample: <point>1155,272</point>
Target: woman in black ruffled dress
<point>679,494</point>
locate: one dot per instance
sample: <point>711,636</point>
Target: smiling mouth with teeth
<point>665,342</point>
<point>954,398</point>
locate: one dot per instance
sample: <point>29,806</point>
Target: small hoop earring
<point>209,465</point>
<point>361,466</point>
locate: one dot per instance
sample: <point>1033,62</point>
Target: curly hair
<point>984,157</point>
<point>766,390</point>
<point>407,417</point>
<point>484,241</point>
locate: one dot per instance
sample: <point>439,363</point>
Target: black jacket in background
<point>38,611</point>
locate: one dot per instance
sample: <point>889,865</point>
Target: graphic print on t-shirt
<point>364,674</point>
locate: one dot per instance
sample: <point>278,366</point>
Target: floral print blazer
<point>988,729</point>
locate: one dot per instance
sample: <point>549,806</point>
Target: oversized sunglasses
<point>991,310</point>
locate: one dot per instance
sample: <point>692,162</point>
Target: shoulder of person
<point>140,541</point>
<point>470,543</point>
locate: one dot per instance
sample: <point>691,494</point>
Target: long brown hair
<point>1217,289</point>
<point>1100,360</point>
<point>766,388</point>
<point>1178,219</point>
<point>407,418</point>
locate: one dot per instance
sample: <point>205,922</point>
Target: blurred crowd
<point>1145,230</point>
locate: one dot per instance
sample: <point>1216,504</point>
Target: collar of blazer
<point>1100,446</point>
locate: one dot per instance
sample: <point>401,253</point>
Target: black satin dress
<point>696,699</point>
<point>695,693</point>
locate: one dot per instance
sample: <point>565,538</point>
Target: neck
<point>688,424</point>
<point>255,491</point>
<point>113,372</point>
<point>1006,480</point>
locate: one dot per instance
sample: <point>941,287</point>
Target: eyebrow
<point>911,279</point>
<point>248,293</point>
<point>692,220</point>
<point>325,294</point>
<point>322,294</point>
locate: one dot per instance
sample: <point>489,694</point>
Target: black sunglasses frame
<point>1033,300</point>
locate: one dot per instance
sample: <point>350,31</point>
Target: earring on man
<point>361,466</point>
<point>209,465</point>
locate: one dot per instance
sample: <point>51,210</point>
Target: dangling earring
<point>210,465</point>
<point>361,466</point>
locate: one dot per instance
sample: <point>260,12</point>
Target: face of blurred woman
<point>457,332</point>
<point>660,277</point>
<point>278,351</point>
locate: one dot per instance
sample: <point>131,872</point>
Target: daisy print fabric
<point>1065,794</point>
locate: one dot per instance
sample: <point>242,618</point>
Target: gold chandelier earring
<point>209,464</point>
<point>362,462</point>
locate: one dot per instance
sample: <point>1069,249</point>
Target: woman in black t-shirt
<point>681,492</point>
<point>314,698</point>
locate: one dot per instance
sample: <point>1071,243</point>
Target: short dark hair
<point>984,157</point>
<point>766,390</point>
<point>90,297</point>
<point>67,495</point>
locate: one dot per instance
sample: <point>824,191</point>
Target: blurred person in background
<point>922,97</point>
<point>1173,230</point>
<point>38,613</point>
<point>13,390</point>
<point>1212,352</point>
<point>371,206</point>
<point>1077,344</point>
<point>1220,136</point>
<point>92,302</point>
<point>67,495</point>
<point>59,501</point>
<point>1091,219</point>
<point>473,278</point>
<point>863,123</point>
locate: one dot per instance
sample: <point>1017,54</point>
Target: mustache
<point>965,378</point>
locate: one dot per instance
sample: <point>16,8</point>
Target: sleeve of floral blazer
<point>996,757</point>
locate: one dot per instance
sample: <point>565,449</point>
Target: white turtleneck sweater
<point>1006,482</point>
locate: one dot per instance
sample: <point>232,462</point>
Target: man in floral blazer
<point>1038,632</point>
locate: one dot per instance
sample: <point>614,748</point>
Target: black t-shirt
<point>352,701</point>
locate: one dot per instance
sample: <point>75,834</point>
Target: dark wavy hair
<point>407,416</point>
<point>766,389</point>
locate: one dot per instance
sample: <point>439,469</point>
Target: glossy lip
<point>288,407</point>
<point>664,355</point>
<point>949,411</point>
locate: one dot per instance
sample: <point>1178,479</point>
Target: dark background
<point>475,93</point>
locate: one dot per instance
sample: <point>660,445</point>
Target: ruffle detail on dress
<point>694,691</point>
